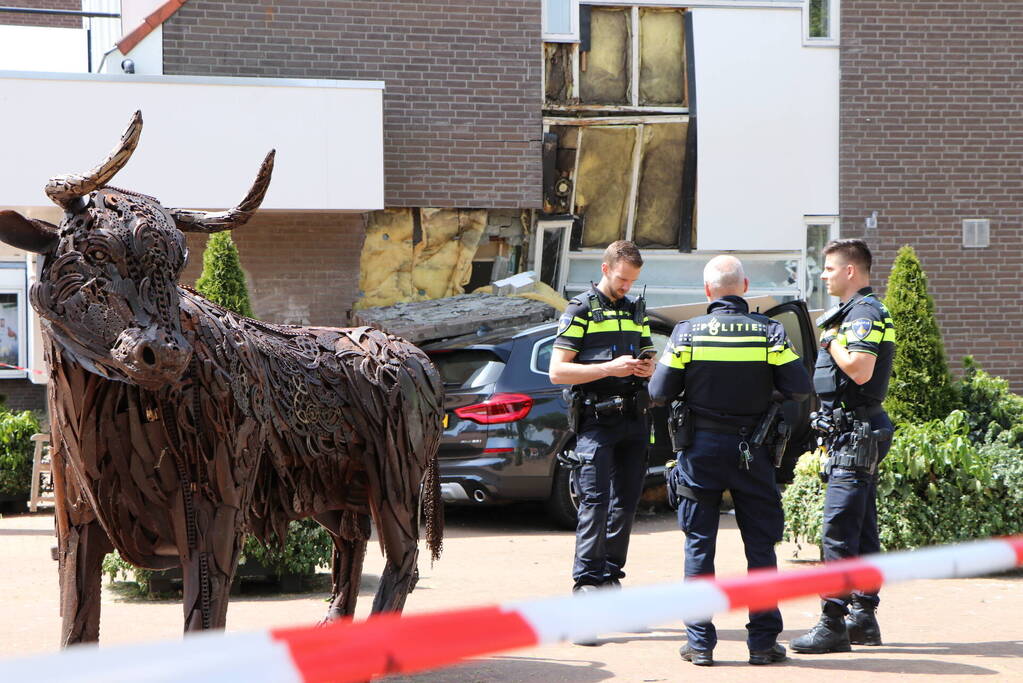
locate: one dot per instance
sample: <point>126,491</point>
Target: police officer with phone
<point>603,349</point>
<point>726,367</point>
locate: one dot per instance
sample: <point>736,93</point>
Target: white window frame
<point>833,233</point>
<point>834,13</point>
<point>536,353</point>
<point>12,281</point>
<point>572,36</point>
<point>542,226</point>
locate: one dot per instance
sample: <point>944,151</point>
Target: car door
<point>795,316</point>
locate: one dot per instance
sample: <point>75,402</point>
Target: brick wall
<point>52,21</point>
<point>301,268</point>
<point>21,394</point>
<point>930,135</point>
<point>462,106</point>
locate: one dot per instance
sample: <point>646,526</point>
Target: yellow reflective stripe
<point>730,340</point>
<point>573,331</point>
<point>787,355</point>
<point>676,357</point>
<point>613,326</point>
<point>889,335</point>
<point>874,337</point>
<point>723,353</point>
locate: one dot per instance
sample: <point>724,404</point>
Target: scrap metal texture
<point>178,426</point>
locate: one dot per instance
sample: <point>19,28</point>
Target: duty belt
<point>700,422</point>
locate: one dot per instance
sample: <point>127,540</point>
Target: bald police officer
<point>602,336</point>
<point>851,377</point>
<point>725,366</point>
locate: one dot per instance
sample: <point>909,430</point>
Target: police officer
<point>727,365</point>
<point>604,350</point>
<point>851,378</point>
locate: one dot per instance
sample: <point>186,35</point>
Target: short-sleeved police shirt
<point>868,328</point>
<point>600,337</point>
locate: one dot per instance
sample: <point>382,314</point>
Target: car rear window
<point>468,368</point>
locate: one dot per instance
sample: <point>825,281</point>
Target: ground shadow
<point>514,669</point>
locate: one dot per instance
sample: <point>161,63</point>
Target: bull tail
<point>433,509</point>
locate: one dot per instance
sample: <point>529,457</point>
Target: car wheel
<point>563,504</point>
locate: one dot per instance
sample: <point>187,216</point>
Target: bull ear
<point>27,233</point>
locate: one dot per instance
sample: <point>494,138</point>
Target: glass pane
<point>9,331</point>
<point>772,274</point>
<point>816,294</point>
<point>467,369</point>
<point>559,16</point>
<point>550,255</point>
<point>790,321</point>
<point>820,18</point>
<point>543,356</point>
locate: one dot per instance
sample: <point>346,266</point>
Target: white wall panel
<point>767,111</point>
<point>202,139</point>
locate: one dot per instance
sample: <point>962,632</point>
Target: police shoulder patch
<point>564,324</point>
<point>861,328</point>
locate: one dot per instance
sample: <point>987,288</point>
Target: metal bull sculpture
<point>178,426</point>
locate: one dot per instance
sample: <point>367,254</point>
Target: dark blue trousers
<point>710,466</point>
<point>610,481</point>
<point>850,515</point>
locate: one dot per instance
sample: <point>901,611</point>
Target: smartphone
<point>647,355</point>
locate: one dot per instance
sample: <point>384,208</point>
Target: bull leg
<point>400,573</point>
<point>350,533</point>
<point>81,557</point>
<point>206,585</point>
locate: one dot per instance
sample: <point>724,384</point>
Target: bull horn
<point>202,221</point>
<point>65,189</point>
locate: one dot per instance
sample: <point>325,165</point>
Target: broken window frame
<point>552,37</point>
<point>634,75</point>
<point>637,156</point>
<point>544,225</point>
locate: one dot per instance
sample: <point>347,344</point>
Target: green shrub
<point>921,386</point>
<point>989,405</point>
<point>937,485</point>
<point>16,451</point>
<point>308,548</point>
<point>222,280</point>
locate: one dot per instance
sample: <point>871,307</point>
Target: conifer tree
<point>921,386</point>
<point>222,280</point>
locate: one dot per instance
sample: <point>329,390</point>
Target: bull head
<point>107,289</point>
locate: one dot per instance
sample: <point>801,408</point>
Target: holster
<point>680,425</point>
<point>677,489</point>
<point>574,399</point>
<point>858,448</point>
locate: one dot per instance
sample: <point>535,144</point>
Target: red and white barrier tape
<point>347,651</point>
<point>18,367</point>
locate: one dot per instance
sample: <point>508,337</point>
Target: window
<point>561,21</point>
<point>819,231</point>
<point>821,21</point>
<point>542,356</point>
<point>551,244</point>
<point>13,321</point>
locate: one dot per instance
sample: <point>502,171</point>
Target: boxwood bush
<point>16,452</point>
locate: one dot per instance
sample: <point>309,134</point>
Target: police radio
<point>639,310</point>
<point>836,314</point>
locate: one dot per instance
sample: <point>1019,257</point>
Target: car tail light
<point>497,409</point>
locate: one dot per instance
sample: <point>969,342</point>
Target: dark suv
<point>505,422</point>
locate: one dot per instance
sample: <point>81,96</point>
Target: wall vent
<point>976,233</point>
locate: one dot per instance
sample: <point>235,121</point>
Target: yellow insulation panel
<point>661,57</point>
<point>659,203</point>
<point>602,186</point>
<point>443,258</point>
<point>608,63</point>
<point>385,272</point>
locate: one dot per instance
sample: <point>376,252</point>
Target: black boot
<point>829,635</point>
<point>861,623</point>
